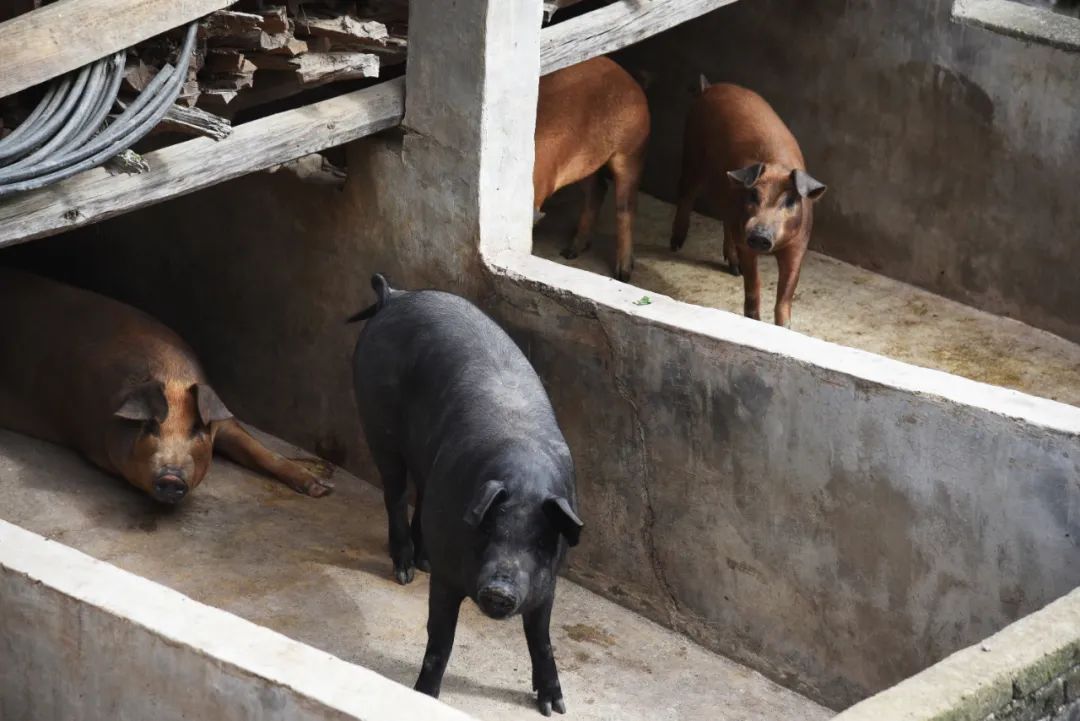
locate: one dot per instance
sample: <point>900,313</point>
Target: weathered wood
<point>313,69</point>
<point>553,6</point>
<point>615,26</point>
<point>195,164</point>
<point>137,75</point>
<point>344,30</point>
<point>193,121</point>
<point>228,60</point>
<point>60,37</point>
<point>275,20</point>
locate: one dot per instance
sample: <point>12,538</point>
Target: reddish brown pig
<point>739,151</point>
<point>592,116</point>
<point>85,371</point>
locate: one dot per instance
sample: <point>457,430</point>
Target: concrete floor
<point>835,301</point>
<point>317,571</point>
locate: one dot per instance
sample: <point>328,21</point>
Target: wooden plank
<point>613,27</point>
<point>60,37</point>
<point>196,164</point>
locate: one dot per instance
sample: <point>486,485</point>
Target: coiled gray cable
<point>57,140</point>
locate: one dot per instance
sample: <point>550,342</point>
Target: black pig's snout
<point>498,600</point>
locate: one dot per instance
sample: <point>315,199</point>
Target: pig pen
<point>867,534</point>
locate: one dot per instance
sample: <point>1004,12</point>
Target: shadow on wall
<point>949,151</point>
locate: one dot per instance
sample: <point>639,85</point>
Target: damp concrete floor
<point>835,301</point>
<point>318,571</point>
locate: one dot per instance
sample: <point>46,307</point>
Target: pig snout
<point>169,485</point>
<point>498,599</point>
<point>761,239</point>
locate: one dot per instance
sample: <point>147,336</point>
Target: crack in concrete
<point>649,528</point>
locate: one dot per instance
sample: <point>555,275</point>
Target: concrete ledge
<point>1029,670</point>
<point>83,639</point>
<point>1023,22</point>
<point>578,286</point>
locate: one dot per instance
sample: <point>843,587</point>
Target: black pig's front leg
<point>545,676</point>
<point>443,607</point>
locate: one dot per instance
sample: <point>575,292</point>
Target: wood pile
<point>257,52</point>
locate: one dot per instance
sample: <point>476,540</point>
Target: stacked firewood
<point>256,53</point>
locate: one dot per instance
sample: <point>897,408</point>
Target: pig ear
<point>482,502</point>
<point>210,406</point>
<point>748,175</point>
<point>147,402</point>
<point>562,516</point>
<point>807,186</point>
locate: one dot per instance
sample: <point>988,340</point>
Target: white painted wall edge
<point>317,676</point>
<point>521,266</point>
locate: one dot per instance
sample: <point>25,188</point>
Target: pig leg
<point>748,262</point>
<point>419,552</point>
<point>689,188</point>
<point>236,444</point>
<point>443,607</point>
<point>595,188</point>
<point>545,676</point>
<point>790,263</point>
<point>731,256</point>
<point>396,498</point>
<point>627,170</point>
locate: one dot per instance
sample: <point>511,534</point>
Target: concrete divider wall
<point>1030,671</point>
<point>80,639</point>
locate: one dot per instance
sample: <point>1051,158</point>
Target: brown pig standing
<point>739,150</point>
<point>592,116</point>
<point>88,372</point>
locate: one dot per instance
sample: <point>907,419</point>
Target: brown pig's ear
<point>807,186</point>
<point>147,402</point>
<point>562,516</point>
<point>210,406</point>
<point>746,177</point>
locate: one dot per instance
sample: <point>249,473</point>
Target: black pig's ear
<point>211,408</point>
<point>145,403</point>
<point>482,502</point>
<point>807,186</point>
<point>562,516</point>
<point>746,177</point>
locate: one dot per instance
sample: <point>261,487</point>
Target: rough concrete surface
<point>317,571</point>
<point>83,640</point>
<point>835,301</point>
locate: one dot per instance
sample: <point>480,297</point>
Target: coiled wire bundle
<point>65,135</point>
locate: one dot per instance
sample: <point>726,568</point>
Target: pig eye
<point>792,200</point>
<point>753,197</point>
<point>152,427</point>
<point>197,430</point>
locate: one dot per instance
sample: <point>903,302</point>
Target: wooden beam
<point>63,36</point>
<point>195,164</point>
<point>613,27</point>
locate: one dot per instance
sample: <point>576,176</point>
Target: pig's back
<point>69,352</point>
<point>736,127</point>
<point>432,370</point>
<point>586,113</point>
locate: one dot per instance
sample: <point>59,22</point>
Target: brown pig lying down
<point>109,381</point>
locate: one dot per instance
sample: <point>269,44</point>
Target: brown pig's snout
<point>761,239</point>
<point>169,485</point>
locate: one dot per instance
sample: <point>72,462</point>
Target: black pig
<point>446,397</point>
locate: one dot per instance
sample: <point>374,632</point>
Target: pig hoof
<point>422,564</point>
<point>677,244</point>
<point>734,269</point>
<point>569,253</point>
<point>404,576</point>
<point>318,490</point>
<point>546,701</point>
